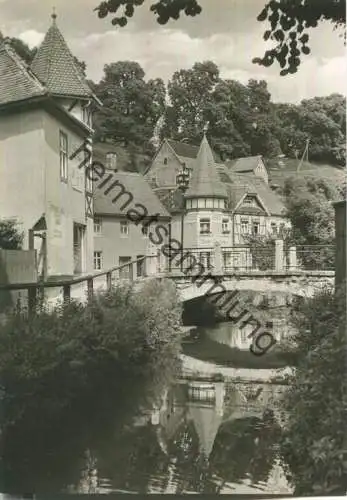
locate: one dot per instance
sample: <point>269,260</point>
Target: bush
<point>263,252</point>
<point>73,376</point>
<point>313,443</point>
<point>10,237</point>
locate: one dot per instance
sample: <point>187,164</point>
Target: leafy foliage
<point>163,9</point>
<point>289,24</point>
<point>240,117</point>
<point>10,236</point>
<point>313,442</point>
<point>27,54</point>
<point>73,376</point>
<point>262,250</point>
<point>322,120</point>
<point>131,106</point>
<point>309,202</point>
<point>242,120</point>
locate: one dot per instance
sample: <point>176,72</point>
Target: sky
<point>226,32</point>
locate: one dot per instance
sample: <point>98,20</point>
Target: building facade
<point>45,115</point>
<point>130,222</point>
<point>225,204</point>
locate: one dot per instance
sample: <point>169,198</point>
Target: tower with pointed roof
<point>205,203</point>
<point>45,117</point>
<point>56,67</point>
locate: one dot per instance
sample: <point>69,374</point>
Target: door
<point>78,247</point>
<point>124,272</point>
<point>140,266</point>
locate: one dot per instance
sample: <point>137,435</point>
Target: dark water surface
<point>209,436</point>
<point>218,428</point>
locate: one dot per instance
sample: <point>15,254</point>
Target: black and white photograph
<point>173,248</point>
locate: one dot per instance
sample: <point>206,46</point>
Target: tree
<point>10,236</point>
<point>240,117</point>
<point>191,96</point>
<point>163,9</point>
<point>131,106</point>
<point>28,54</point>
<point>72,377</point>
<point>289,21</point>
<point>314,438</point>
<point>309,201</point>
<point>21,48</point>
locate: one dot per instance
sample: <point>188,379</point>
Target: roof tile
<point>245,164</point>
<point>205,180</point>
<point>17,82</point>
<point>140,191</point>
<point>55,66</point>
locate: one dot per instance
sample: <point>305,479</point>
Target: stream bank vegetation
<point>74,376</point>
<point>314,438</point>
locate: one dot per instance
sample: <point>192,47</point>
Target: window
<point>88,173</point>
<point>225,226</point>
<point>86,115</point>
<point>124,227</point>
<point>165,161</point>
<point>97,225</point>
<point>144,230</point>
<point>244,226</point>
<point>205,259</point>
<point>273,228</point>
<point>248,200</point>
<point>227,259</point>
<point>111,161</point>
<point>97,261</point>
<point>255,227</point>
<point>63,150</point>
<point>205,226</point>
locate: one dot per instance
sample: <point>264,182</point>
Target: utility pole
<point>305,154</point>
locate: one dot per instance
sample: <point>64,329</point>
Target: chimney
<point>111,161</point>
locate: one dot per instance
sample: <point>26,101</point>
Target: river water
<point>216,431</point>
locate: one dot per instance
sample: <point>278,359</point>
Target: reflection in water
<point>209,436</point>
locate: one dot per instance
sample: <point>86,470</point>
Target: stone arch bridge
<point>299,283</point>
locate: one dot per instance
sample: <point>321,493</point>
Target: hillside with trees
<point>242,118</point>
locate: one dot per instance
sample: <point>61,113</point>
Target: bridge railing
<point>310,258</point>
<point>79,287</point>
<point>245,258</point>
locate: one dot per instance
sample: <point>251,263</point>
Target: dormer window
<point>248,200</point>
<point>111,161</point>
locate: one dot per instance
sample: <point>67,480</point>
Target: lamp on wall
<point>182,181</point>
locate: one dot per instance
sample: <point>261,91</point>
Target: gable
<point>165,167</point>
<point>251,204</point>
